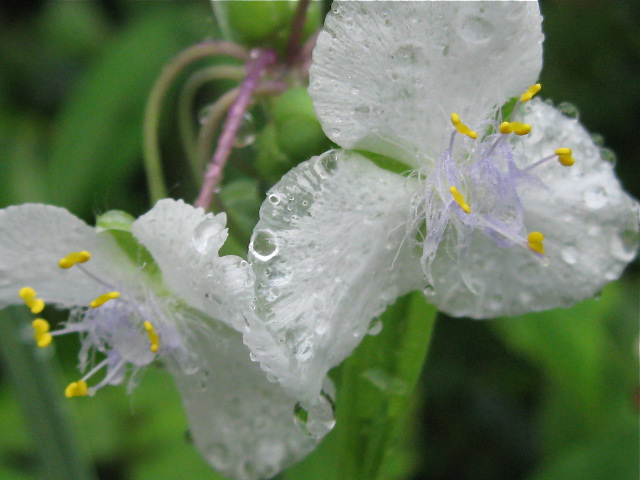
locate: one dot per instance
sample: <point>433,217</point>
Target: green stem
<point>53,443</point>
<point>186,100</point>
<point>377,386</point>
<point>153,165</point>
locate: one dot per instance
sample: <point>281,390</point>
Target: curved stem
<point>151,149</point>
<point>212,177</point>
<point>186,100</point>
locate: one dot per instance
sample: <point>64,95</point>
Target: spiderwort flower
<point>155,289</point>
<point>488,212</point>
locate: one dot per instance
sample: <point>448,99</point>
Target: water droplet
<point>568,110</point>
<point>476,29</point>
<point>595,197</point>
<point>376,327</point>
<point>300,418</point>
<point>597,139</point>
<point>326,165</point>
<point>274,199</point>
<point>263,245</point>
<point>406,54</point>
<point>246,132</point>
<point>608,156</point>
<point>204,233</point>
<point>570,255</point>
<point>429,291</point>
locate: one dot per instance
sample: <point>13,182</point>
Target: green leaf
<point>97,142</point>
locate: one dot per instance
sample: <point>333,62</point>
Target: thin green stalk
<point>377,386</point>
<point>186,100</point>
<point>153,165</point>
<point>54,446</point>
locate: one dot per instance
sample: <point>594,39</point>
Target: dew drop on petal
<point>598,139</point>
<point>476,30</point>
<point>204,232</point>
<point>595,197</point>
<point>570,255</point>
<point>568,110</point>
<point>376,327</point>
<point>429,291</point>
<point>263,245</point>
<point>608,156</point>
<point>246,132</point>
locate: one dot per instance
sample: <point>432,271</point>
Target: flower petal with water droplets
<point>386,77</point>
<point>590,226</point>
<point>241,423</point>
<point>329,256</point>
<point>33,238</point>
<point>184,242</point>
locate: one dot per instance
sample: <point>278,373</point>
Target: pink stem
<point>213,175</point>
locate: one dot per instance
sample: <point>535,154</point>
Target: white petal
<point>184,242</point>
<point>590,226</point>
<point>33,238</point>
<point>387,76</point>
<point>328,255</point>
<point>241,423</point>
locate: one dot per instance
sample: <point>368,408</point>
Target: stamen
<point>564,157</point>
<point>153,336</point>
<point>459,199</point>
<point>104,298</point>
<point>41,332</point>
<point>73,258</point>
<point>28,294</point>
<point>76,389</point>
<point>515,127</point>
<point>530,92</point>
<point>535,242</point>
<point>461,127</point>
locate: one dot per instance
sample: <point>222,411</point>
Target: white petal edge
<point>240,422</point>
<point>184,241</point>
<point>34,237</point>
<point>329,256</point>
<point>590,226</point>
<point>386,76</point>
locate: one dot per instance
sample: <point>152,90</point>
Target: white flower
<point>487,224</point>
<point>160,293</point>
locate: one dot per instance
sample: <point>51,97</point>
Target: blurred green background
<point>549,396</point>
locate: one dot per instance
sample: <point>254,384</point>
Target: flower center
<point>475,188</point>
<point>113,324</point>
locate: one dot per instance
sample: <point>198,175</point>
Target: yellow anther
<point>457,196</point>
<point>515,127</point>
<point>73,258</point>
<point>461,127</point>
<point>76,389</point>
<point>153,336</point>
<point>564,157</point>
<point>104,298</point>
<point>41,332</point>
<point>28,294</point>
<point>530,93</point>
<point>535,242</point>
